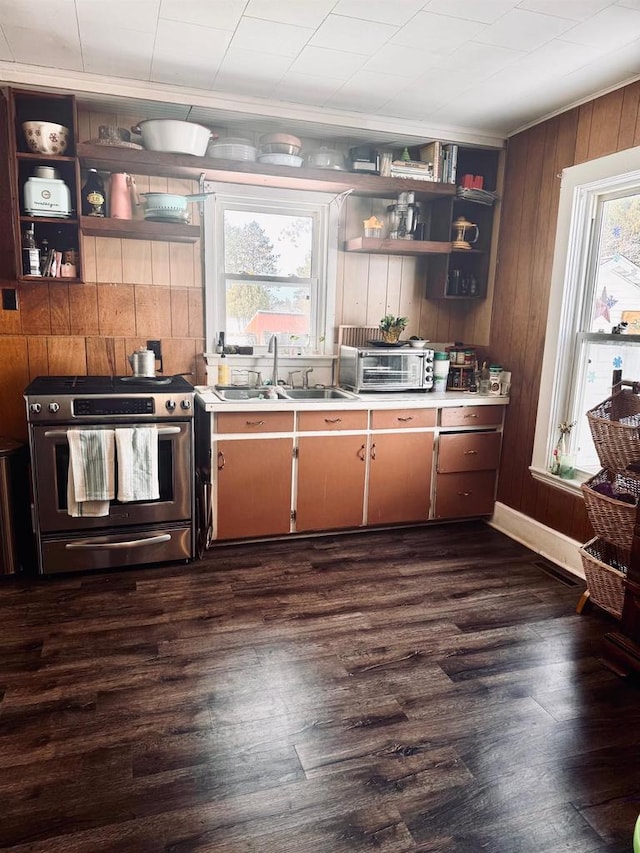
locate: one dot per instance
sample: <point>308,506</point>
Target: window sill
<point>571,486</point>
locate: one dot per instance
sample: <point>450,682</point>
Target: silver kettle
<point>143,362</point>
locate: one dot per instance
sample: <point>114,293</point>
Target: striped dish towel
<point>137,453</point>
<point>91,478</point>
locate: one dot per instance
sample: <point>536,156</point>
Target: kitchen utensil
<point>326,158</point>
<point>462,240</point>
<point>47,197</point>
<point>108,132</point>
<point>46,172</point>
<point>281,159</point>
<point>280,148</point>
<point>143,362</point>
<point>45,137</point>
<point>285,139</point>
<point>176,137</point>
<point>122,196</point>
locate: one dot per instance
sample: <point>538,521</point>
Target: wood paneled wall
<point>535,160</point>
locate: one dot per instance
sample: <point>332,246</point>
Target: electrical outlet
<point>9,299</point>
<point>157,349</point>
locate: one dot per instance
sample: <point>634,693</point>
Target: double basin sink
<point>236,395</point>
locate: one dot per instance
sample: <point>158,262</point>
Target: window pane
<point>616,295</point>
<point>601,360</point>
<point>267,243</point>
<point>256,310</point>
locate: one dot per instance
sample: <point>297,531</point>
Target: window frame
<point>322,206</point>
<point>581,188</point>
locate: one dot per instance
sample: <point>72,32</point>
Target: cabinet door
<point>400,477</point>
<point>253,487</point>
<point>331,476</point>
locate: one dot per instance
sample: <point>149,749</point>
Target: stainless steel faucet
<point>273,347</point>
<point>305,377</point>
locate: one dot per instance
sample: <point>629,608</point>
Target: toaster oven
<point>385,369</point>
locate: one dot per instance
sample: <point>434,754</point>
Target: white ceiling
<point>453,69</point>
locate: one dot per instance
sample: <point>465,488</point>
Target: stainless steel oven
<point>132,533</point>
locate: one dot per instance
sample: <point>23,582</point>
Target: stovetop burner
<point>83,385</point>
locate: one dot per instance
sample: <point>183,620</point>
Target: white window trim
<point>236,194</point>
<point>578,185</point>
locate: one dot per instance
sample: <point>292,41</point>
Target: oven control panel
<point>98,408</point>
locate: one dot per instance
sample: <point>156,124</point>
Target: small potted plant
<point>392,327</point>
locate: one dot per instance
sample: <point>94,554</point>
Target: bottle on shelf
<point>30,252</point>
<point>93,197</point>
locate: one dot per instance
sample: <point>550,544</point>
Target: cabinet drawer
<point>254,422</point>
<point>460,495</point>
<point>332,420</point>
<point>472,416</point>
<point>399,418</point>
<point>469,451</point>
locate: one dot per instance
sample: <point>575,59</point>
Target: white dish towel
<point>137,453</point>
<point>91,479</point>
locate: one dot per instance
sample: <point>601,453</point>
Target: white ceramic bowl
<point>45,137</point>
<point>418,344</point>
<point>173,136</point>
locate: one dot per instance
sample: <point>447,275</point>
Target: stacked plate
<point>164,214</point>
<point>232,148</point>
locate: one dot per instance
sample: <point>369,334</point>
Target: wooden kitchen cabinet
<point>330,481</point>
<point>468,460</point>
<point>463,495</point>
<point>253,487</point>
<point>400,465</point>
<point>400,477</point>
<point>464,274</point>
<point>57,232</point>
<point>253,477</point>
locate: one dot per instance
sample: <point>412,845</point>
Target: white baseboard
<point>543,540</point>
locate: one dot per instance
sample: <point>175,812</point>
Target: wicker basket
<point>605,567</point>
<point>613,520</point>
<point>614,427</point>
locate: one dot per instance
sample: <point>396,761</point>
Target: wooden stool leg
<point>586,595</point>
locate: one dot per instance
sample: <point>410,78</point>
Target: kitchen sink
<point>237,394</point>
<point>284,394</point>
<point>319,394</point>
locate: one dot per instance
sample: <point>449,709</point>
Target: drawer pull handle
<point>405,420</point>
<point>373,451</point>
<point>465,494</point>
<point>333,420</point>
<point>362,453</point>
<point>254,423</point>
<point>470,453</point>
<point>471,416</point>
<point>221,460</point>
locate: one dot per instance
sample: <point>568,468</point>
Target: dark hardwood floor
<point>427,689</point>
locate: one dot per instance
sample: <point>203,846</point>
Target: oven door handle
<point>87,544</point>
<point>62,433</point>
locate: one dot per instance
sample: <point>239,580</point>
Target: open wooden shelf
<point>379,246</point>
<point>113,159</point>
<point>137,229</point>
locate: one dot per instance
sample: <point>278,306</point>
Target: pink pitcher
<point>122,196</point>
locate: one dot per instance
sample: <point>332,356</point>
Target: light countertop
<point>368,400</point>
